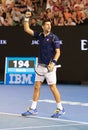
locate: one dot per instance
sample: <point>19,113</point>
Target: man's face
<point>47,27</point>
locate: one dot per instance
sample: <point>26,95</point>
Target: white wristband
<point>26,19</point>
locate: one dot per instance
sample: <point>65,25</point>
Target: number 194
<point>21,63</point>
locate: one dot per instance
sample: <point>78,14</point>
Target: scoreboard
<point>20,70</point>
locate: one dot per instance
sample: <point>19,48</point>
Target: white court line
<point>46,118</point>
<point>39,127</point>
<point>64,102</point>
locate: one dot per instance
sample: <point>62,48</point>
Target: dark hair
<point>46,20</point>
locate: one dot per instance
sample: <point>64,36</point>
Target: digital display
<point>21,64</point>
<point>20,70</point>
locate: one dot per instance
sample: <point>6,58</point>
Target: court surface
<point>15,99</point>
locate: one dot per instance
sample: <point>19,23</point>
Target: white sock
<point>59,106</point>
<point>34,104</point>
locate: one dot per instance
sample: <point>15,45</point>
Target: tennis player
<point>48,55</point>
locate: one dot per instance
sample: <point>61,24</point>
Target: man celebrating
<point>49,53</point>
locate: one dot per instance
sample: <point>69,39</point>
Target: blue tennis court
<point>15,99</point>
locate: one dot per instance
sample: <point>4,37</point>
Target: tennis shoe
<point>58,113</point>
<point>30,112</point>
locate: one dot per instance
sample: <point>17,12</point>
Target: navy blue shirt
<point>48,44</point>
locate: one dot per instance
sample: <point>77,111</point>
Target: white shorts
<point>49,76</point>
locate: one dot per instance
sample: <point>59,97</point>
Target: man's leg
<point>36,94</point>
<point>32,110</point>
<point>60,110</point>
<point>56,94</point>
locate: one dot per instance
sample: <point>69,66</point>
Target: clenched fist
<point>28,14</point>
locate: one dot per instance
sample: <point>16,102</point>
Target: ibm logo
<point>20,79</point>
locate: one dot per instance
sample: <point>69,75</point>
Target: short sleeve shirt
<point>48,45</point>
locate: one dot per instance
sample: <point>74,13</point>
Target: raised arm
<point>26,24</point>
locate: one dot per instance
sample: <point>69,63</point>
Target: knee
<point>37,86</point>
<point>53,87</point>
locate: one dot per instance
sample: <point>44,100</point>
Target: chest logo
<point>47,39</point>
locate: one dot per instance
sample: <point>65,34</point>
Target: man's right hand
<point>28,14</point>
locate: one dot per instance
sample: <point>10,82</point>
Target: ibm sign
<point>19,70</point>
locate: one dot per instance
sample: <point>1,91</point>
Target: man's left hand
<point>51,66</point>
